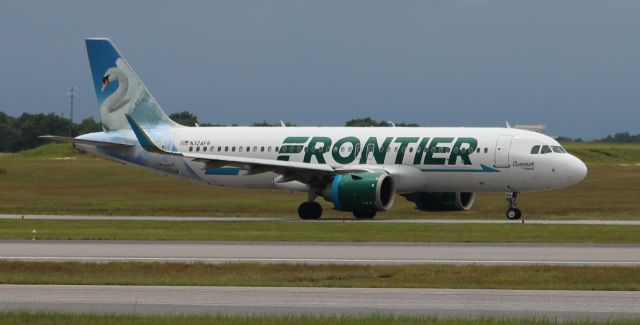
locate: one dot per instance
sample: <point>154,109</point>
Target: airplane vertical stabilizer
<point>119,90</point>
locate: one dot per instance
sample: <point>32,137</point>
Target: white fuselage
<point>419,159</point>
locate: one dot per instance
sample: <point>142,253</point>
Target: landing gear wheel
<point>514,214</point>
<point>309,210</point>
<point>365,214</point>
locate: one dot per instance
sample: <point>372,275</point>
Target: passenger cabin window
<point>545,149</point>
<point>204,148</point>
<point>535,150</point>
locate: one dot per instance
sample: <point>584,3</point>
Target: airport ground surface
<point>341,220</point>
<point>316,253</point>
<point>593,228</point>
<point>323,301</point>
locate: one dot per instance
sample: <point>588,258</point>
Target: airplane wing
<point>303,172</point>
<point>89,142</point>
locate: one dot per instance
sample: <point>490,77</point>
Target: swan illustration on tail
<point>119,90</point>
<point>123,100</point>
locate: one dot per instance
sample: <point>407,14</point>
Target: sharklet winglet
<point>145,142</point>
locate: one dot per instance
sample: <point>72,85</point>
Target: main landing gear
<point>310,210</point>
<point>513,213</point>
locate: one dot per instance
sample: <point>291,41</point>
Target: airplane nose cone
<point>577,170</point>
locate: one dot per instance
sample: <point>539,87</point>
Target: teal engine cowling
<point>442,201</point>
<point>365,191</point>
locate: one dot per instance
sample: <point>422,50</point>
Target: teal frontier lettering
<point>352,150</point>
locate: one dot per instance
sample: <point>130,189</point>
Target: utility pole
<point>72,95</point>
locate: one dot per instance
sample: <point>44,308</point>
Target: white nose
<point>577,170</point>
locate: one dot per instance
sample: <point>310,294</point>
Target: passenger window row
<point>233,149</point>
<point>343,149</point>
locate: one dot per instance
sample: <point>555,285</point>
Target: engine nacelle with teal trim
<point>366,191</point>
<point>442,201</point>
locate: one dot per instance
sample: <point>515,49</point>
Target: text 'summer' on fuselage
<point>359,170</point>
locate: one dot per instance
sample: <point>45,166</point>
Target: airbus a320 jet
<point>358,169</point>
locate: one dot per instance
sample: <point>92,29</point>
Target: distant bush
<point>3,171</point>
<point>367,121</point>
<point>624,137</point>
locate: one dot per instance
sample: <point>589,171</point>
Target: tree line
<point>21,133</point>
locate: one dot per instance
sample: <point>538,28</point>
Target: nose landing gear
<point>513,213</point>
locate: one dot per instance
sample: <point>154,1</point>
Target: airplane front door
<point>503,145</point>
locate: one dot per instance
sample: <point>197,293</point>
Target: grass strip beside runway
<point>316,231</point>
<point>302,275</point>
<point>96,319</point>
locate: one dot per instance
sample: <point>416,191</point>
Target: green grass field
<point>605,153</point>
<point>342,276</point>
<point>27,318</point>
<point>317,231</point>
<point>54,179</point>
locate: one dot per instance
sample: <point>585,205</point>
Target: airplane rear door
<point>503,145</point>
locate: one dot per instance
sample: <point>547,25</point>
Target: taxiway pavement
<point>322,301</point>
<point>320,252</point>
<point>280,219</point>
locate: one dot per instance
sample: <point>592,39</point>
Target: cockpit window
<point>535,150</point>
<point>545,149</point>
<point>558,149</point>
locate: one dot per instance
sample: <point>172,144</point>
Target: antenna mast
<point>72,95</point>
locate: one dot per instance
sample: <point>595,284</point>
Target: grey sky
<point>573,65</point>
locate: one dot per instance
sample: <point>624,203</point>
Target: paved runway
<point>324,301</point>
<point>278,219</point>
<point>319,253</point>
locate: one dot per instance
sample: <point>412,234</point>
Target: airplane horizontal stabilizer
<point>85,141</point>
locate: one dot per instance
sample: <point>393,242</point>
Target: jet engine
<point>361,193</point>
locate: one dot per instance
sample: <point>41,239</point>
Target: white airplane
<point>358,169</point>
